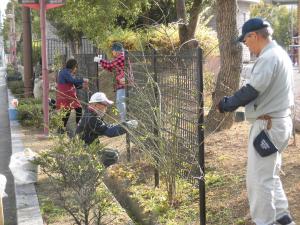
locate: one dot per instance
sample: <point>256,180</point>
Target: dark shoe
<point>286,220</point>
<point>61,130</point>
<point>109,157</point>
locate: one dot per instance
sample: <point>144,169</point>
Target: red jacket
<point>118,64</point>
<point>66,97</point>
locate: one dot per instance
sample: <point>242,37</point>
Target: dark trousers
<point>78,116</point>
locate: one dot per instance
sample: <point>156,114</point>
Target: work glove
<point>220,106</point>
<point>97,58</point>
<point>132,124</point>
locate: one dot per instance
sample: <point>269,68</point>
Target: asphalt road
<point>9,203</point>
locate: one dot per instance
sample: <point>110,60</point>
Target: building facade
<point>282,2</point>
<point>242,16</point>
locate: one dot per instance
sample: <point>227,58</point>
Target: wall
<point>242,17</point>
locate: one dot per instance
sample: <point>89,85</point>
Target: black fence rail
<point>167,101</point>
<point>166,98</point>
<point>57,48</point>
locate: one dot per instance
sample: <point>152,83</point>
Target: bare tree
<point>187,27</point>
<point>231,62</point>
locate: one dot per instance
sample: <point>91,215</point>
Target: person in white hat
<point>92,124</point>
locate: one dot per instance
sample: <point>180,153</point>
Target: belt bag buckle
<point>263,145</point>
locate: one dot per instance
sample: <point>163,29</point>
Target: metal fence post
<point>128,147</point>
<point>199,80</point>
<point>97,69</point>
<point>156,131</point>
<point>66,53</point>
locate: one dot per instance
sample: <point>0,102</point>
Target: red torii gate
<point>43,6</point>
<point>34,4</point>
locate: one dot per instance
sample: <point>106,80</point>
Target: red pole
<point>44,67</point>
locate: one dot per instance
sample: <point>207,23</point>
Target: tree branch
<point>181,11</point>
<point>194,17</point>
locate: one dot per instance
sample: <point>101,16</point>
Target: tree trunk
<point>231,63</point>
<point>27,53</point>
<point>187,28</point>
<point>74,46</point>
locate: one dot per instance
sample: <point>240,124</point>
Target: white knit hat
<point>101,98</point>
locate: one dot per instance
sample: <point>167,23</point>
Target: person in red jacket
<point>67,83</point>
<point>117,64</point>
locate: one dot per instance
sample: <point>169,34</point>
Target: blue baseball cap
<point>251,25</point>
<point>118,47</point>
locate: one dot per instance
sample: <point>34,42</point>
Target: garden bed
<point>226,197</point>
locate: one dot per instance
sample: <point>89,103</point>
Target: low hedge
<point>30,113</point>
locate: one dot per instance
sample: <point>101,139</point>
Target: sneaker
<point>286,220</point>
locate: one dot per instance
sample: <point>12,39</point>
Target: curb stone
<point>28,209</point>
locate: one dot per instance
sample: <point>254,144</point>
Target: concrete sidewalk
<point>22,206</point>
<point>28,210</point>
<point>9,203</point>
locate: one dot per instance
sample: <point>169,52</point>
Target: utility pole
<point>1,44</point>
<point>12,38</point>
<point>27,53</point>
<point>44,66</point>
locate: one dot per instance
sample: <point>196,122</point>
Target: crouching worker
<point>92,125</point>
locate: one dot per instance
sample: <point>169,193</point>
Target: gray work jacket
<point>272,77</point>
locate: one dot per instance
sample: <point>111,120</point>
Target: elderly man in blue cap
<point>268,98</point>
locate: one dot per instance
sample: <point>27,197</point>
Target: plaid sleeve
<point>115,63</point>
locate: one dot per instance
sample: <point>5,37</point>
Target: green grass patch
<point>154,202</point>
<point>50,211</point>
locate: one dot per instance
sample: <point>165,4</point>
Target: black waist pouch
<point>263,145</point>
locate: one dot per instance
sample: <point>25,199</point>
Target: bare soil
<point>226,154</point>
